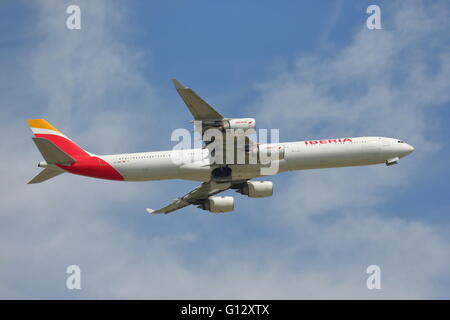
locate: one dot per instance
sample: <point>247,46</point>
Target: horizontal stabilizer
<point>51,153</point>
<point>45,175</point>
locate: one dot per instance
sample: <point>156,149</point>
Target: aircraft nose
<point>403,149</point>
<point>407,149</point>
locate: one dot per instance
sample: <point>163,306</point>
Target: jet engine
<point>218,204</point>
<point>257,189</point>
<point>233,123</point>
<point>240,123</point>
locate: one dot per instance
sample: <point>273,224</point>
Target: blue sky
<point>311,69</point>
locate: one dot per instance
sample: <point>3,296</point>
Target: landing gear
<point>221,174</point>
<point>392,161</point>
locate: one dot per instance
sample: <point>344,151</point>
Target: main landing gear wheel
<point>221,173</point>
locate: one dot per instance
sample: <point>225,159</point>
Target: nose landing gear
<point>392,161</point>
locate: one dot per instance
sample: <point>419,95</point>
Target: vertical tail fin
<point>43,129</point>
<point>63,155</point>
<point>51,153</point>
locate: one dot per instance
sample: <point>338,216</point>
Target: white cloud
<point>321,233</point>
<point>385,83</point>
<point>86,81</point>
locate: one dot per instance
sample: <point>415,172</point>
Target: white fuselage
<point>194,164</point>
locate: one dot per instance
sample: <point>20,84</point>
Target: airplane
<point>61,155</point>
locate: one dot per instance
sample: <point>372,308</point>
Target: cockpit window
<point>401,141</point>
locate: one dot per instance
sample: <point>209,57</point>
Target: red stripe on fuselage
<point>92,166</point>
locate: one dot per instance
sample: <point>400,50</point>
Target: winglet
<point>151,211</point>
<point>178,85</point>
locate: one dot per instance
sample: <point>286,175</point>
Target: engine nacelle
<point>239,126</point>
<point>240,123</point>
<point>219,204</point>
<point>257,189</point>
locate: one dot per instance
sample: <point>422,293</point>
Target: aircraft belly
<point>142,170</point>
<point>250,171</point>
<point>197,171</point>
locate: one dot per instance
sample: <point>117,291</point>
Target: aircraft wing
<point>210,118</point>
<point>195,197</point>
<point>199,108</point>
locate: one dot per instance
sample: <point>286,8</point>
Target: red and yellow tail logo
<point>43,129</point>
